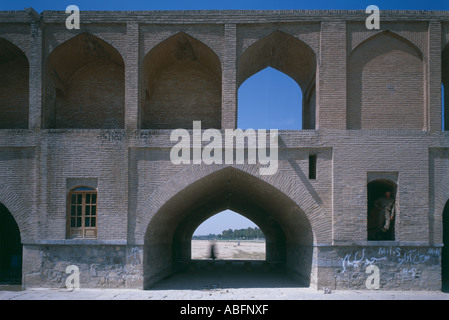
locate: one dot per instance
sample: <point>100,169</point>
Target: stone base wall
<point>400,267</point>
<point>100,266</point>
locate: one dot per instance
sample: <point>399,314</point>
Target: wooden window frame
<point>82,213</point>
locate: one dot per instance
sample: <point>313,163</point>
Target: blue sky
<point>271,86</point>
<point>223,221</point>
<point>220,5</point>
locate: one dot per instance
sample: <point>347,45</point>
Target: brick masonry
<point>95,107</point>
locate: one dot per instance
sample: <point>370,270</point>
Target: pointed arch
<point>385,84</point>
<point>390,34</point>
<point>173,212</point>
<point>14,86</point>
<point>84,85</point>
<point>182,83</point>
<point>14,204</point>
<point>289,55</point>
<point>279,104</point>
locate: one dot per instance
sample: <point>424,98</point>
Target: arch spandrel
<point>199,182</point>
<point>390,33</point>
<point>166,36</point>
<point>20,46</point>
<point>179,46</point>
<point>22,217</point>
<point>308,33</point>
<point>91,47</point>
<point>282,52</point>
<point>60,37</point>
<point>414,34</point>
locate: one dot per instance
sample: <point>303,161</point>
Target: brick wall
<point>84,85</point>
<point>106,87</point>
<point>385,85</point>
<point>184,92</point>
<point>94,98</point>
<point>285,53</point>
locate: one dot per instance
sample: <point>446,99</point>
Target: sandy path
<point>242,250</point>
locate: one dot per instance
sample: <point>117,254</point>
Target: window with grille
<point>82,215</point>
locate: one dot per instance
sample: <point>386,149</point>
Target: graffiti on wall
<point>407,263</point>
<point>360,258</point>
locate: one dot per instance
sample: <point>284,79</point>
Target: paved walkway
<point>218,294</point>
<point>218,286</point>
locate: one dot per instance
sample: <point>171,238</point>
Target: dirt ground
<point>233,249</point>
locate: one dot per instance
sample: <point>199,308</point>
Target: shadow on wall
<point>14,87</point>
<point>385,71</point>
<point>445,251</point>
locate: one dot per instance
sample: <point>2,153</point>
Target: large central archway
<point>287,230</point>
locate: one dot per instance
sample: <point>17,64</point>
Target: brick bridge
<point>86,117</point>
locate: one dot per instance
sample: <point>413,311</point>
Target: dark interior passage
<point>10,249</point>
<point>445,254</point>
<point>14,87</point>
<point>377,190</point>
<point>287,231</point>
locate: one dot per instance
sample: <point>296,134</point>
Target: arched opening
<point>380,205</point>
<point>292,57</point>
<point>445,88</point>
<point>84,85</point>
<point>10,249</point>
<point>385,84</point>
<point>228,236</point>
<point>445,251</point>
<point>288,233</point>
<point>270,100</point>
<point>14,84</point>
<point>182,84</point>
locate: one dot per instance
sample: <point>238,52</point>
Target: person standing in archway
<point>212,252</point>
<point>382,216</point>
